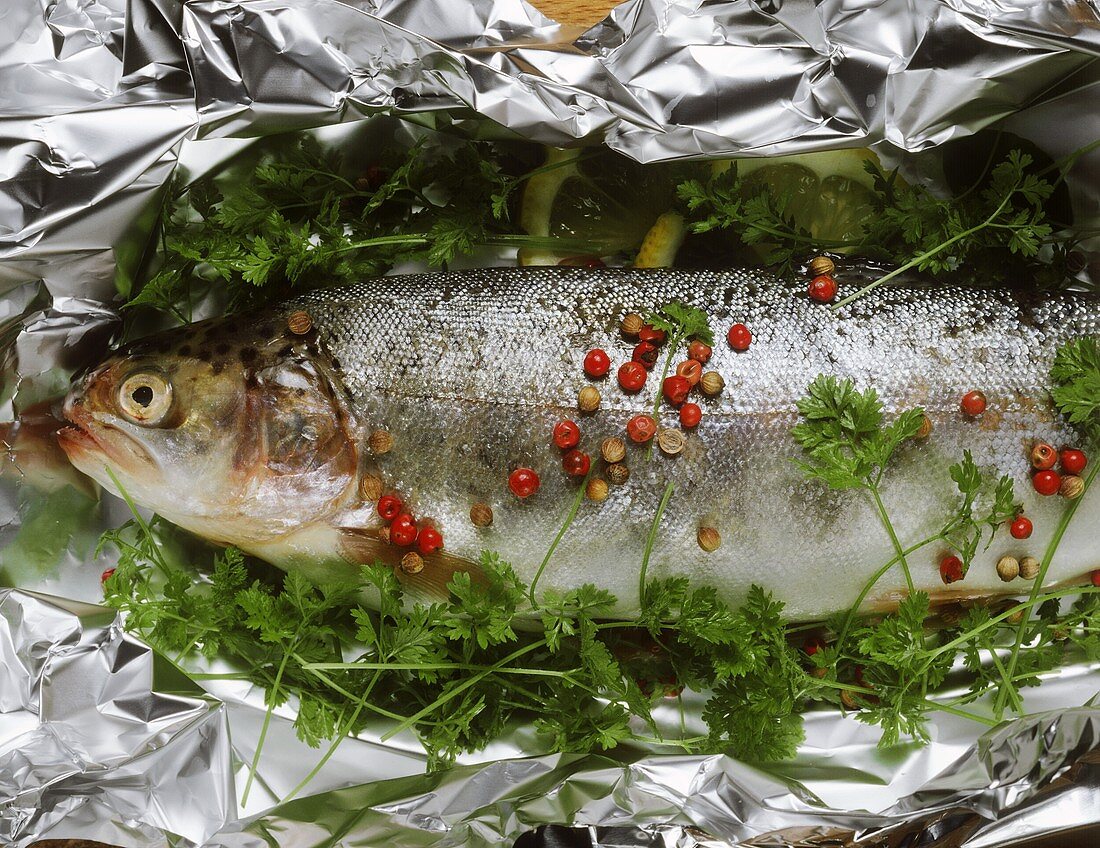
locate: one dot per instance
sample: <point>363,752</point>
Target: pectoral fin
<point>430,583</point>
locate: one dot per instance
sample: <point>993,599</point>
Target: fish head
<point>235,429</point>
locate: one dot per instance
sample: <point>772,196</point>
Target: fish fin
<point>429,584</point>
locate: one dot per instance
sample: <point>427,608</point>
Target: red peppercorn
<point>649,333</point>
<point>389,506</point>
<point>951,569</point>
<point>641,428</point>
<point>699,351</point>
<point>373,177</point>
<point>403,530</point>
<point>1047,483</point>
<point>690,415</point>
<point>973,404</point>
<point>812,645</point>
<point>1074,461</point>
<point>1021,528</point>
<point>1043,456</point>
<point>691,370</point>
<point>596,363</point>
<point>566,435</point>
<point>428,540</point>
<point>632,376</point>
<point>1095,577</point>
<point>106,575</point>
<point>676,389</point>
<point>646,354</point>
<point>523,482</point>
<point>576,463</point>
<point>739,337</point>
<point>823,289</point>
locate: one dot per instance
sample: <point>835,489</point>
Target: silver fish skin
<point>469,372</point>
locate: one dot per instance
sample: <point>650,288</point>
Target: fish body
<point>264,442</point>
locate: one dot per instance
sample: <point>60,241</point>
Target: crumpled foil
<point>102,101</point>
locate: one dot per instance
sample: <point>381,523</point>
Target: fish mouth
<point>84,438</point>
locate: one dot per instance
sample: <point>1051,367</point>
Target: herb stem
<point>462,687</point>
<point>899,550</point>
<point>650,541</point>
<point>1048,558</point>
<point>572,514</point>
<point>154,550</point>
<point>341,734</point>
<point>388,666</point>
<point>928,254</point>
<point>272,694</point>
<point>955,711</point>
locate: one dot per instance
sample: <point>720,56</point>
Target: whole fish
<point>248,433</point>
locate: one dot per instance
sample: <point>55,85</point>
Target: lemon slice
<point>602,200</point>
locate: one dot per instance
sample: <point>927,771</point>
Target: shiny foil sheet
<point>102,101</point>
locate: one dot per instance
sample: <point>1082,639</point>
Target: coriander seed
<point>709,539</point>
<point>596,490</point>
<point>1029,568</point>
<point>613,450</point>
<point>617,473</point>
<point>1008,568</point>
<point>381,442</point>
<point>821,265</point>
<point>299,322</point>
<point>370,488</point>
<point>481,515</point>
<point>632,325</point>
<point>588,399</point>
<point>712,383</point>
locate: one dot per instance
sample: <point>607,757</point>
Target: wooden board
<point>583,13</point>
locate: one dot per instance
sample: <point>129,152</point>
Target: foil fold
<point>125,749</point>
<point>102,102</point>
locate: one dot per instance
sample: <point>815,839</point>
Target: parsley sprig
<point>1000,222</point>
<point>681,323</point>
<point>848,446</point>
<point>302,218</point>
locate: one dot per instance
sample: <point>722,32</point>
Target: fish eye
<point>145,398</point>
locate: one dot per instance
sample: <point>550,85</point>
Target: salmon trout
<point>249,433</point>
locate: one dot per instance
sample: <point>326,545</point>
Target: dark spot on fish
<point>336,363</point>
<point>267,330</point>
<point>222,349</point>
<point>203,355</point>
<point>185,350</point>
<point>218,366</point>
<point>248,355</point>
<point>299,391</point>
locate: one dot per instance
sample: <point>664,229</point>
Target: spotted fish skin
<point>469,372</point>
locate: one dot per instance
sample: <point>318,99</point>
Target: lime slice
<point>828,193</point>
<point>608,204</point>
<point>601,200</point>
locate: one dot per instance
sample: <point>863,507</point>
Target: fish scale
<point>492,359</point>
<point>470,371</point>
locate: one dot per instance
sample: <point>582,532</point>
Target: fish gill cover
<point>104,102</point>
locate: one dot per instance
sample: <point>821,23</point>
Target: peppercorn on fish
<point>257,431</point>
